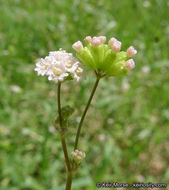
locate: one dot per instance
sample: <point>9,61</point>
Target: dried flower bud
<point>77,46</point>
<point>88,39</point>
<point>116,46</point>
<point>131,51</point>
<point>130,64</point>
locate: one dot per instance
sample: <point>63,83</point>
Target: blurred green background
<point>125,134</point>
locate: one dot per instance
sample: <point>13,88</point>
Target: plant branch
<point>85,111</point>
<point>62,131</point>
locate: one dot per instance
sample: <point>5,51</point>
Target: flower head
<point>59,66</point>
<point>78,156</point>
<point>107,59</point>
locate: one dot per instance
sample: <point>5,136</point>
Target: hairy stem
<point>85,111</point>
<point>64,147</point>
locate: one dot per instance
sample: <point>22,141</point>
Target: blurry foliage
<point>125,134</point>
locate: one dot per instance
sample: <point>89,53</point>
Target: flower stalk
<point>98,77</point>
<point>64,147</point>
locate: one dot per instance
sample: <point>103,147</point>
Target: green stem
<point>85,111</point>
<point>69,181</point>
<point>64,147</point>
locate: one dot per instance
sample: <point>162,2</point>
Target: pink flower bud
<point>77,46</point>
<point>112,41</point>
<point>95,41</point>
<point>130,64</point>
<point>102,39</point>
<point>116,46</point>
<point>88,39</point>
<point>131,52</point>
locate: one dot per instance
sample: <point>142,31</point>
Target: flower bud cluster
<point>107,58</point>
<point>78,156</point>
<point>59,66</point>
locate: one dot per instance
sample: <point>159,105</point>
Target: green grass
<point>125,134</point>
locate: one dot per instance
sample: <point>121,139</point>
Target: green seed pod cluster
<point>105,58</point>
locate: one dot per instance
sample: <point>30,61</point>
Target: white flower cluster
<point>58,66</point>
<point>78,156</point>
